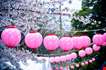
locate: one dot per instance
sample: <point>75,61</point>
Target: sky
<point>74,7</point>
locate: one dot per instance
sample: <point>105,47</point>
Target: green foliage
<point>84,11</point>
<point>76,24</point>
<point>95,8</point>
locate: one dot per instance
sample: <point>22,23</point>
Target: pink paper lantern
<point>77,65</point>
<point>82,53</point>
<point>98,39</point>
<point>82,64</point>
<point>11,37</point>
<point>88,50</point>
<point>72,67</point>
<point>51,42</point>
<point>68,57</point>
<point>57,59</point>
<point>33,40</point>
<point>63,58</point>
<point>67,66</point>
<point>93,59</point>
<point>61,68</point>
<point>104,39</point>
<point>77,43</point>
<point>90,61</point>
<point>96,48</point>
<point>52,59</point>
<point>73,55</point>
<point>56,68</point>
<point>85,41</point>
<point>86,62</point>
<point>66,43</point>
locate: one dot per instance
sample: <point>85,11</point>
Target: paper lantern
<point>77,65</point>
<point>68,57</point>
<point>33,40</point>
<point>82,53</point>
<point>77,43</point>
<point>57,59</point>
<point>90,61</point>
<point>67,66</point>
<point>61,68</point>
<point>88,50</point>
<point>56,68</point>
<point>82,63</point>
<point>98,39</point>
<point>96,48</point>
<point>51,42</point>
<point>86,62</point>
<point>11,37</point>
<point>63,58</point>
<point>73,55</point>
<point>52,59</point>
<point>66,43</point>
<point>72,67</point>
<point>85,41</point>
<point>93,59</point>
<point>104,39</point>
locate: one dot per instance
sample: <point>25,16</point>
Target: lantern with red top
<point>89,50</point>
<point>51,42</point>
<point>104,39</point>
<point>98,39</point>
<point>76,43</point>
<point>66,43</point>
<point>85,41</point>
<point>11,36</point>
<point>96,48</point>
<point>33,39</point>
<point>82,53</point>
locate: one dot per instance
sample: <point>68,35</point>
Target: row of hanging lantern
<point>81,53</point>
<point>75,66</point>
<point>11,36</point>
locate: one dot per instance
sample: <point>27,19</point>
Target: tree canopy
<point>93,12</point>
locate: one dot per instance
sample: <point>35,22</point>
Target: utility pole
<point>60,12</point>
